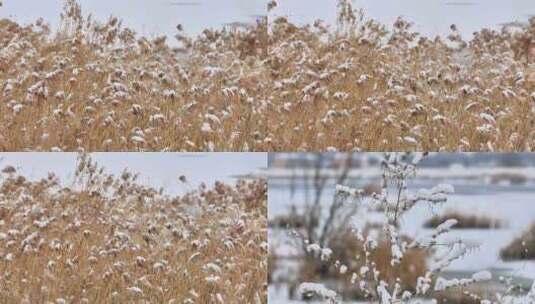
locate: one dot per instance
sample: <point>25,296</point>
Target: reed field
<point>110,239</point>
<point>270,86</point>
<point>97,86</point>
<point>359,85</point>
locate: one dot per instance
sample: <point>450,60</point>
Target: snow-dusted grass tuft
<point>466,221</point>
<point>521,248</point>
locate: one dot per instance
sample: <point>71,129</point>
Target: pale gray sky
<point>156,169</point>
<point>431,17</point>
<point>149,17</point>
<point>155,17</point>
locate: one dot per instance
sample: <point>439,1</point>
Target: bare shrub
<point>378,266</point>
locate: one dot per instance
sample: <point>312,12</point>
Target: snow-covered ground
<point>277,294</point>
<point>516,209</point>
<point>512,204</point>
<point>472,181</point>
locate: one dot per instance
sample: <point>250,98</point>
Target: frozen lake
<point>431,17</point>
<point>147,17</point>
<point>514,205</point>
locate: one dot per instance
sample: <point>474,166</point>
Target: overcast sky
<point>156,169</point>
<point>149,17</point>
<point>155,17</point>
<point>430,16</point>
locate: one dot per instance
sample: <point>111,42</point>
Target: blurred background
<point>494,202</point>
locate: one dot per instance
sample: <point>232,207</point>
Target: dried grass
<point>100,87</point>
<point>465,221</point>
<point>521,248</point>
<point>111,240</point>
<point>360,86</point>
<point>274,86</point>
<point>345,247</point>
